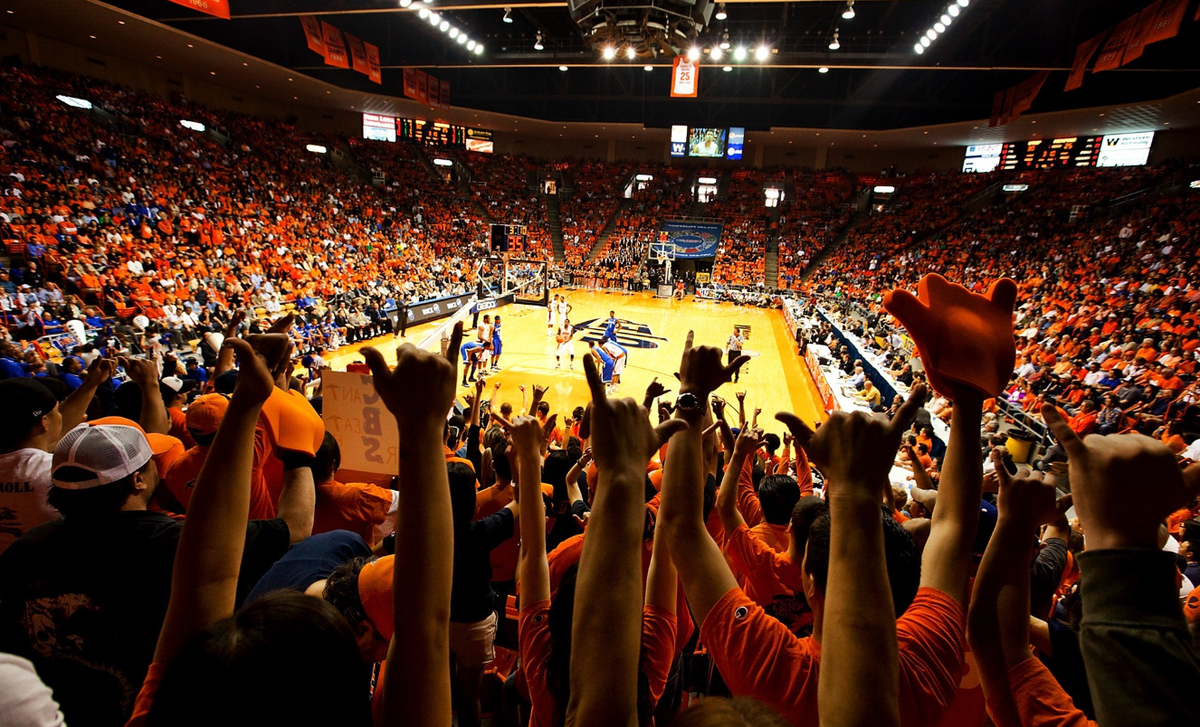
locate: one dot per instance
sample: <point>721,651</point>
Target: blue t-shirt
<point>10,369</point>
<point>309,561</point>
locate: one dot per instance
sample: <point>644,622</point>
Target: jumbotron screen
<point>1114,150</point>
<point>429,133</point>
<point>706,142</point>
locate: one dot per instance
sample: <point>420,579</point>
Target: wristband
<point>293,460</point>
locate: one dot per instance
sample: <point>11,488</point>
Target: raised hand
<point>479,384</point>
<point>99,371</point>
<point>539,390</point>
<point>142,371</point>
<point>701,370</point>
<point>656,389</point>
<point>855,448</point>
<point>526,436</point>
<point>255,380</point>
<point>718,408</point>
<point>965,339</point>
<point>748,441</point>
<point>420,390</point>
<point>1102,470</point>
<point>548,429</point>
<point>741,396</point>
<point>621,436</point>
<point>1028,497</point>
<point>283,325</point>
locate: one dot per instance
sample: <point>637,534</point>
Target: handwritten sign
<point>364,428</point>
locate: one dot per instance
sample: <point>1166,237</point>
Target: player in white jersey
<point>483,333</point>
<point>619,356</point>
<point>566,346</point>
<point>551,312</point>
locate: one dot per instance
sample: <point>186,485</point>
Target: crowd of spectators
<point>811,220</point>
<point>590,206</point>
<point>742,253</point>
<point>501,187</point>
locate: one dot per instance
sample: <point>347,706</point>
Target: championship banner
<point>1006,109</point>
<point>1137,39</point>
<point>1114,48</point>
<point>312,33</point>
<point>434,92</point>
<point>422,87</point>
<point>365,430</point>
<point>335,48</point>
<point>1083,54</point>
<point>216,8</point>
<point>691,240</point>
<point>444,97</point>
<point>1027,91</point>
<point>1166,22</point>
<point>358,55</point>
<point>410,83</point>
<point>684,77</point>
<point>997,107</point>
<point>374,70</point>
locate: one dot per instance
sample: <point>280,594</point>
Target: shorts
<point>473,645</point>
<point>566,348</point>
<point>619,365</point>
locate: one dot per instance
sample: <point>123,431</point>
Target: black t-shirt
<point>84,600</point>
<point>472,597</point>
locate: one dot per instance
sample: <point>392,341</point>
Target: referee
<point>735,348</point>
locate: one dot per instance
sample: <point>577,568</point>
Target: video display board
<point>378,127</point>
<point>707,142</point>
<point>1113,150</point>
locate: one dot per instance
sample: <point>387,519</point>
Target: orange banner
<point>358,54</point>
<point>335,47</point>
<point>1141,27</point>
<point>312,34</point>
<point>217,8</point>
<point>1083,54</point>
<point>1114,49</point>
<point>1166,22</point>
<point>374,70</point>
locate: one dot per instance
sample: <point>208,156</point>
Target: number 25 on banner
<point>684,79</point>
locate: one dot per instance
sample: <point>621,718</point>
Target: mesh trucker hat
<point>92,456</point>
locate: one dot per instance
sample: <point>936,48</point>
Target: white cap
<point>95,455</point>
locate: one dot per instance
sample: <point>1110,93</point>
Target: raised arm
<point>209,555</point>
<point>74,407</point>
<point>144,373</point>
<point>532,570</point>
<point>538,392</point>
<point>607,631</point>
<point>419,392</point>
<point>706,576</point>
<point>746,445</point>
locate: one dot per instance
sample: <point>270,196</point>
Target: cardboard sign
<point>365,430</point>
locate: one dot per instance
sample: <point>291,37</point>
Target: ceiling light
<point>405,3</point>
<point>423,13</point>
<point>318,148</point>
<point>120,22</point>
<point>454,32</point>
<point>444,25</point>
<point>609,52</point>
<point>964,3</point>
<point>462,38</point>
<point>763,53</point>
<point>537,44</point>
<point>848,13</point>
<point>919,48</point>
<point>470,45</point>
<point>946,19</point>
<point>631,52</point>
<point>834,44</point>
<point>725,40</point>
<point>727,69</point>
<point>716,53</point>
<point>721,14</point>
<point>479,49</point>
<point>925,41</point>
<point>954,10</point>
<point>648,68</point>
<point>434,19</point>
<point>739,54</point>
<point>694,54</point>
<point>507,15</point>
<point>562,68</point>
<point>939,28</point>
<point>931,34</point>
<point>822,69</point>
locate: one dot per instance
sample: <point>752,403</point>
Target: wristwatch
<point>689,403</point>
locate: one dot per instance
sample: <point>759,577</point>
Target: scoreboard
<point>426,133</point>
<point>509,238</point>
<point>1114,150</point>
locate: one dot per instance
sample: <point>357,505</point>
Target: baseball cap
<point>375,593</point>
<point>98,454</point>
<point>205,413</point>
<point>166,448</point>
<point>1191,606</point>
<point>172,385</point>
<point>26,400</point>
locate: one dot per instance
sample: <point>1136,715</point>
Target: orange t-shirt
<point>179,428</point>
<point>657,653</point>
<point>356,506</point>
<point>1037,700</point>
<point>773,581</point>
<point>145,695</point>
<point>759,657</point>
<point>182,474</point>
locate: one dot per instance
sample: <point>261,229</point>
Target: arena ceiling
<point>875,79</point>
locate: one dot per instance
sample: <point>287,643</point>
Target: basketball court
<point>654,331</point>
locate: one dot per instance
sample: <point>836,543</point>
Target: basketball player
<point>566,346</point>
<point>619,356</point>
<point>612,325</point>
<point>484,332</point>
<point>564,308</point>
<point>551,310</point>
<point>497,344</point>
<point>472,354</point>
<point>605,362</point>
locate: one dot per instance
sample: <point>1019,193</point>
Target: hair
<point>92,501</point>
<point>249,668</point>
<point>58,387</point>
<point>462,493</point>
<point>327,459</point>
<point>555,470</point>
<point>341,590</point>
<point>900,551</point>
<point>500,464</point>
<point>128,399</point>
<point>543,407</point>
<point>778,494</point>
<point>772,441</point>
<point>726,712</point>
<point>804,514</point>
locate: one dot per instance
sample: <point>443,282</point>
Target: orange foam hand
<point>965,339</point>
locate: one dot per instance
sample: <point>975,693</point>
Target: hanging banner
<point>358,54</point>
<point>374,70</point>
<point>216,8</point>
<point>1166,22</point>
<point>312,33</point>
<point>444,96</point>
<point>1083,54</point>
<point>1141,26</point>
<point>335,48</point>
<point>1027,91</point>
<point>684,78</point>
<point>997,106</point>
<point>1006,108</point>
<point>1114,48</point>
<point>422,87</point>
<point>410,83</point>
